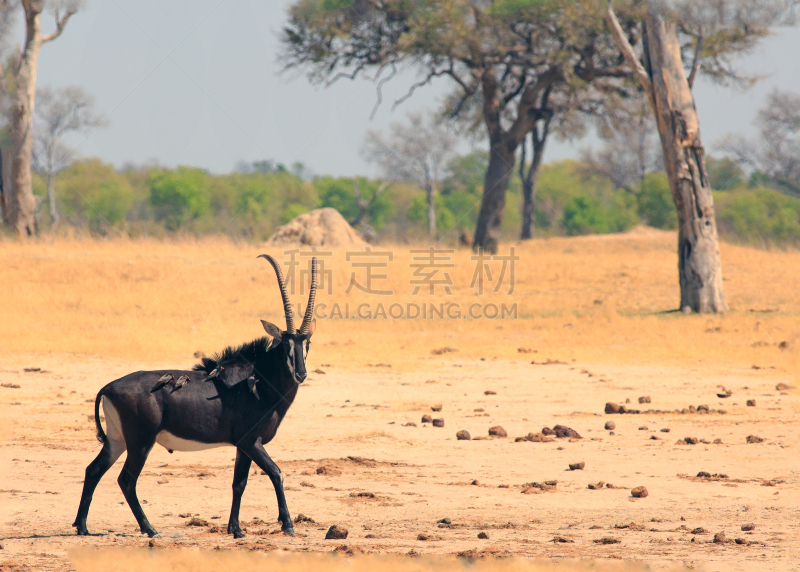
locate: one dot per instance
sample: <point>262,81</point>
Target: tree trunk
<point>51,199</point>
<point>6,185</point>
<point>699,265</point>
<point>495,185</point>
<point>529,180</point>
<point>23,204</point>
<point>431,212</point>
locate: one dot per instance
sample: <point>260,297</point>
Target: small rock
<point>754,439</point>
<point>370,535</point>
<point>690,440</point>
<point>639,492</point>
<point>751,402</point>
<point>463,435</point>
<point>336,532</point>
<point>489,392</point>
<point>665,430</point>
<point>445,521</point>
<point>438,422</point>
<point>151,543</point>
<point>325,470</point>
<point>610,425</point>
<point>781,387</point>
<point>643,428</point>
<point>607,540</point>
<point>483,536</point>
<point>497,431</point>
<point>422,536</point>
<point>197,522</point>
<point>409,424</point>
<point>547,431</point>
<point>741,541</point>
<point>704,475</point>
<point>719,538</point>
<point>577,466</point>
<point>596,486</point>
<point>303,518</point>
<point>476,483</point>
<point>699,530</point>
<point>645,399</point>
<point>437,407</point>
<point>426,419</point>
<point>561,539</point>
<point>612,408</point>
<point>748,527</point>
<point>654,438</point>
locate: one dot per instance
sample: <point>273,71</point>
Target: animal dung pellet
<point>751,402</point>
<point>336,532</point>
<point>463,435</point>
<point>437,407</point>
<point>438,422</point>
<point>427,419</point>
<point>610,425</point>
<point>639,492</point>
<point>577,466</point>
<point>489,392</point>
<point>748,527</point>
<point>483,536</point>
<point>754,439</point>
<point>644,399</point>
<point>497,431</point>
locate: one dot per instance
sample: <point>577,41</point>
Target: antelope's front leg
<point>241,469</point>
<point>260,457</point>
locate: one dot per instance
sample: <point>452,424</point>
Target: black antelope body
<point>214,408</point>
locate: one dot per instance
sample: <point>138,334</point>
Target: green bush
<point>93,193</point>
<point>758,216</point>
<point>178,196</point>
<point>445,220</point>
<point>655,201</point>
<point>339,193</point>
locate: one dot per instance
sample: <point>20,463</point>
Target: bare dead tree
<point>416,152</point>
<point>775,154</point>
<point>22,208</point>
<point>59,112</point>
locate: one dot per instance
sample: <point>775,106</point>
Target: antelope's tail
<point>101,435</point>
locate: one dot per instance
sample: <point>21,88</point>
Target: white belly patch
<point>173,443</point>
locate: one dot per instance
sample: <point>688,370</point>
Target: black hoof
<point>238,534</point>
<point>288,531</point>
<point>81,531</point>
<point>151,533</point>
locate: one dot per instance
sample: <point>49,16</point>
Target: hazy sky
<point>197,83</point>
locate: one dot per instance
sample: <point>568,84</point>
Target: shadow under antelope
<point>242,405</point>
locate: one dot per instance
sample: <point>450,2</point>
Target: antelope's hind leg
<point>241,470</point>
<point>137,456</point>
<point>108,455</point>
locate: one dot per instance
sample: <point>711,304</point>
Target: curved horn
<point>312,294</point>
<point>287,306</point>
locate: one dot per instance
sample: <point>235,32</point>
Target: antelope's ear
<point>311,327</point>
<point>273,332</point>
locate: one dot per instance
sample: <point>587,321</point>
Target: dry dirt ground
<point>363,424</point>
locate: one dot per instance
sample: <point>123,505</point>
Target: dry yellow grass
<point>600,299</point>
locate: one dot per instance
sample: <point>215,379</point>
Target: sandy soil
<point>355,423</point>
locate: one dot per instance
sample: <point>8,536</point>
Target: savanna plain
<point>595,324</point>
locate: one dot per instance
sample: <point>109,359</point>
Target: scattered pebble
<point>748,527</point>
<point>751,402</point>
<point>754,439</point>
<point>645,399</point>
<point>483,536</point>
<point>690,440</point>
<point>639,492</point>
<point>497,431</point>
<point>610,425</point>
<point>613,408</point>
<point>699,530</point>
<point>423,536</point>
<point>782,387</point>
<point>463,435</point>
<point>303,518</point>
<point>326,470</point>
<point>409,424</point>
<point>577,466</point>
<point>607,540</point>
<point>445,521</point>
<point>336,532</point>
<point>489,392</point>
<point>561,539</point>
<point>426,419</point>
<point>643,428</point>
<point>476,483</point>
<point>437,407</point>
<point>596,486</point>
<point>438,422</point>
<point>665,430</point>
<point>719,538</point>
<point>197,522</point>
<point>741,541</point>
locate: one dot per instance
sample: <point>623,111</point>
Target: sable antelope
<point>141,410</point>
